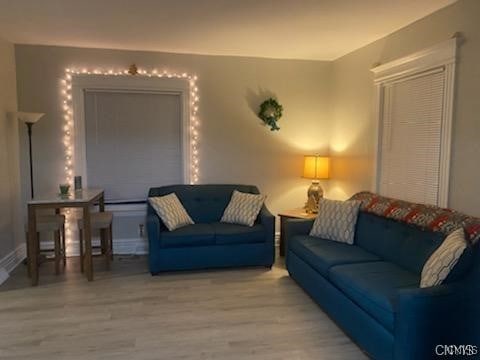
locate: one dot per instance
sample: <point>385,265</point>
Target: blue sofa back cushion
<point>204,203</point>
<point>405,245</point>
<point>462,267</point>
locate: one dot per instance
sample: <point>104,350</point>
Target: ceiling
<point>287,29</point>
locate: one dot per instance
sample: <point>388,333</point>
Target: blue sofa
<point>371,289</point>
<point>208,243</point>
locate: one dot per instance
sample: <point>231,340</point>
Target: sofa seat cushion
<point>226,234</point>
<point>190,235</point>
<point>322,254</point>
<point>373,287</point>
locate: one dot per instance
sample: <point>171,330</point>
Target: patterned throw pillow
<point>444,259</point>
<point>243,208</point>
<point>171,211</point>
<point>336,220</point>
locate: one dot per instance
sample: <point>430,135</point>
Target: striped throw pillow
<point>171,211</point>
<point>444,259</point>
<point>243,208</point>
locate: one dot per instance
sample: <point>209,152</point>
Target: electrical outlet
<point>140,230</point>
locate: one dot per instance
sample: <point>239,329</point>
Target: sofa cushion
<point>190,235</point>
<point>373,286</point>
<point>243,208</point>
<point>238,234</point>
<point>444,259</point>
<point>336,220</point>
<point>171,211</point>
<point>428,217</point>
<point>400,243</point>
<point>321,254</point>
<point>204,203</point>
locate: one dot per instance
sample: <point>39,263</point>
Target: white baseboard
<point>132,246</point>
<point>137,246</point>
<point>11,261</point>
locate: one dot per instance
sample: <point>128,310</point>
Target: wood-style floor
<point>233,314</point>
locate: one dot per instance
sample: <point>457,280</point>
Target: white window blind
<point>133,142</point>
<point>411,138</point>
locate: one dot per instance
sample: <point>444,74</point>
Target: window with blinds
<point>133,141</point>
<point>410,143</point>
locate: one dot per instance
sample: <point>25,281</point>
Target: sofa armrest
<point>265,214</point>
<point>439,315</point>
<point>268,221</point>
<point>155,227</point>
<point>297,227</point>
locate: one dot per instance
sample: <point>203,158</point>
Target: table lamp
<point>29,119</point>
<point>316,168</point>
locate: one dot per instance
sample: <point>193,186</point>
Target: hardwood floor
<point>250,313</point>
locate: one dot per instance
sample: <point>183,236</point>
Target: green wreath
<point>270,112</point>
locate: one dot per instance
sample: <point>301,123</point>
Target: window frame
<point>442,55</point>
<point>128,84</point>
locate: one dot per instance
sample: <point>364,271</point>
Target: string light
<point>68,125</point>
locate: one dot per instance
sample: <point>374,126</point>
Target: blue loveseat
<point>371,289</point>
<point>208,243</point>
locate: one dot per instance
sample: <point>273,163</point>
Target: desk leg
<point>32,245</point>
<point>87,236</point>
<point>107,235</point>
<point>101,203</point>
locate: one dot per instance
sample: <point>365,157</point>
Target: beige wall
<point>234,147</point>
<point>352,140</point>
<point>10,219</point>
<point>328,107</point>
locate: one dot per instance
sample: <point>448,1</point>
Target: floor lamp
<point>29,119</point>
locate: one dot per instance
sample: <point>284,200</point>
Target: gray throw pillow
<point>444,259</point>
<point>171,211</point>
<point>243,208</point>
<point>336,220</point>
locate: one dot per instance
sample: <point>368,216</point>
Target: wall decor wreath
<point>270,112</point>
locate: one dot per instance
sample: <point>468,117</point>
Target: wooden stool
<point>55,224</point>
<point>99,221</point>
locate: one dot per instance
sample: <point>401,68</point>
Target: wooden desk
<point>84,199</point>
<point>291,214</point>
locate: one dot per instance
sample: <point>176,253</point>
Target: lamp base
<point>314,193</point>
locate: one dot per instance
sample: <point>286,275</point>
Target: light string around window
<point>68,123</point>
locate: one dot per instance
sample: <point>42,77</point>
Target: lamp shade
<point>316,167</point>
<point>28,117</point>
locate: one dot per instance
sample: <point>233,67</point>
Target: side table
<point>298,213</point>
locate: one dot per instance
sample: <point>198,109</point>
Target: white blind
<point>133,142</point>
<point>411,138</point>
